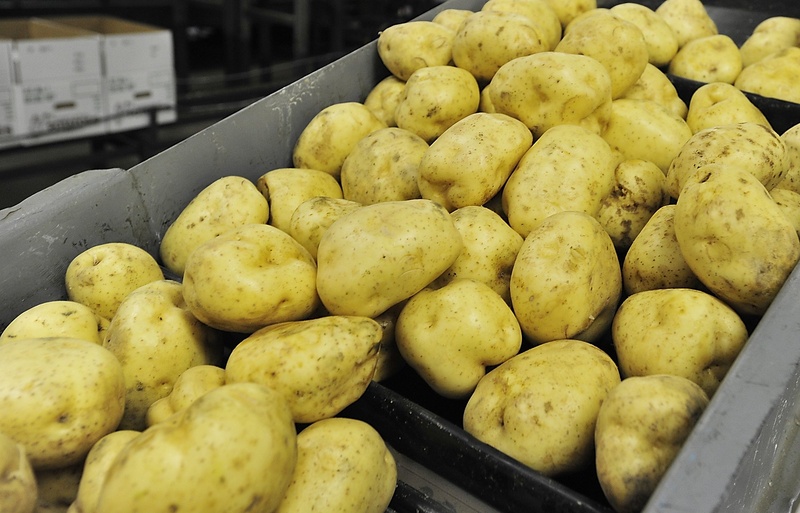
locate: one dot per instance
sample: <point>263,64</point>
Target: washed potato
<point>288,187</point>
<point>567,168</point>
<point>654,259</point>
<point>383,167</point>
<point>382,254</point>
<point>342,465</point>
<point>18,491</point>
<point>553,88</point>
<point>58,397</point>
<point>58,318</point>
<point>451,18</point>
<point>249,277</point>
<point>682,332</point>
<point>719,104</point>
<point>156,338</point>
<point>791,179</point>
<point>383,98</point>
<point>789,202</point>
<point>390,361</point>
<point>319,365</point>
<point>750,146</point>
<point>774,76</point>
<point>101,276</point>
<point>625,60</point>
<point>688,19</point>
<point>312,217</point>
<point>661,42</point>
<point>538,11</point>
<point>567,10</point>
<point>188,387</point>
<point>746,262</point>
<point>770,36</point>
<point>654,85</point>
<point>641,426</point>
<point>450,335</point>
<point>566,281</point>
<point>470,162</point>
<point>226,203</point>
<point>434,98</point>
<point>406,47</point>
<point>485,103</point>
<point>331,134</point>
<point>708,59</point>
<point>489,252</point>
<point>58,487</point>
<point>540,406</point>
<point>645,130</point>
<point>233,450</point>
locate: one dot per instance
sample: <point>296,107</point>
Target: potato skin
<point>774,76</point>
<point>190,385</point>
<point>720,104</point>
<point>659,38</point>
<point>18,488</point>
<point>708,59</point>
<point>58,318</point>
<point>287,187</point>
<point>688,19</point>
<point>406,47</point>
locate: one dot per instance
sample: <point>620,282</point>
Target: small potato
<point>688,19</point>
<point>59,318</point>
<point>567,10</point>
<point>566,281</point>
<point>775,76</point>
<point>406,47</point>
<point>662,44</point>
<point>553,88</point>
<point>470,162</point>
<point>485,104</point>
<point>249,277</point>
<point>539,11</point>
<point>288,187</point>
<point>331,135</point>
<point>383,98</point>
<point>342,465</point>
<point>312,217</point>
<point>383,167</point>
<point>451,18</point>
<point>721,104</point>
<point>770,36</point>
<point>540,406</point>
<point>682,332</point>
<point>789,201</point>
<point>654,85</point>
<point>18,490</point>
<point>434,98</point>
<point>190,385</point>
<point>641,426</point>
<point>101,276</point>
<point>791,179</point>
<point>708,59</point>
<point>319,365</point>
<point>226,203</point>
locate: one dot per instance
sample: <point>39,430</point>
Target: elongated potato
<point>59,318</point>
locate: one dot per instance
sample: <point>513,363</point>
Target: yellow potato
<point>789,202</point>
<point>470,162</point>
<point>319,365</point>
<point>406,47</point>
<point>288,187</point>
<point>708,59</point>
<point>791,179</point>
<point>58,397</point>
<point>58,318</point>
<point>682,332</point>
<point>383,98</point>
<point>775,76</point>
<point>654,85</point>
<point>101,276</point>
<point>688,19</point>
<point>342,465</point>
<point>18,489</point>
<point>451,18</point>
<point>190,385</point>
<point>641,426</point>
<point>540,407</point>
<point>390,361</point>
<point>772,35</point>
<point>662,44</point>
<point>226,203</point>
<point>566,281</point>
<point>539,11</point>
<point>567,10</point>
<point>312,217</point>
<point>434,98</point>
<point>249,277</point>
<point>721,104</point>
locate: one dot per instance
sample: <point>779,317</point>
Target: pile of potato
<point>524,187</point>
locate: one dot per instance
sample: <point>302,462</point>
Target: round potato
<point>774,76</point>
<point>383,98</point>
<point>688,19</point>
<point>720,104</point>
<point>661,42</point>
<point>288,187</point>
<point>654,85</point>
<point>312,217</point>
<point>190,385</point>
<point>59,318</point>
<point>18,490</point>
<point>406,47</point>
<point>770,36</point>
<point>708,59</point>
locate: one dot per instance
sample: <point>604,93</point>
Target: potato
<point>641,426</point>
<point>490,38</point>
<point>645,130</point>
<point>566,281</point>
<point>226,203</point>
<point>383,167</point>
<point>382,254</point>
<point>770,36</point>
<point>390,361</point>
<point>654,259</point>
<point>625,60</point>
<point>789,201</point>
<point>234,449</point>
<point>408,46</point>
<point>688,19</point>
<point>746,262</point>
<point>312,217</point>
<point>18,491</point>
<point>434,98</point>
<point>540,406</point>
<point>682,332</point>
<point>654,85</point>
<point>156,338</point>
<point>342,465</point>
<point>449,336</point>
<point>719,104</point>
<point>451,18</point>
<point>288,187</point>
<point>471,161</point>
<point>101,276</point>
<point>58,318</point>
<point>661,42</point>
<point>708,59</point>
<point>567,10</point>
<point>331,135</point>
<point>319,365</point>
<point>383,98</point>
<point>490,249</point>
<point>539,11</point>
<point>188,387</point>
<point>775,76</point>
<point>750,146</point>
<point>567,168</point>
<point>638,193</point>
<point>553,88</point>
<point>58,397</point>
<point>791,179</point>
